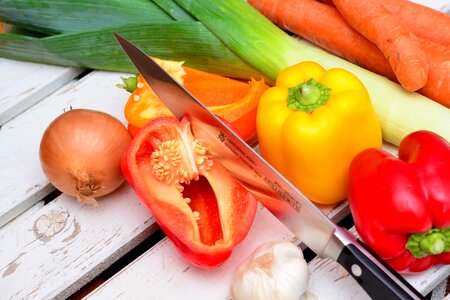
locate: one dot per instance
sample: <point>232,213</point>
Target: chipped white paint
<point>23,182</point>
<point>62,246</point>
<point>340,285</point>
<point>49,224</point>
<point>161,273</point>
<point>51,251</point>
<point>23,84</point>
<point>441,5</point>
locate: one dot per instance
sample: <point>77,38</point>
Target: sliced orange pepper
<point>233,100</point>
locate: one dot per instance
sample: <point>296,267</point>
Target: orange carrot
<point>398,44</point>
<point>438,85</point>
<point>311,20</point>
<point>425,22</point>
<point>322,25</point>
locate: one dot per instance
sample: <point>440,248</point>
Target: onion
<point>80,153</point>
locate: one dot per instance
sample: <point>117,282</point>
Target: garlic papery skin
<point>274,271</point>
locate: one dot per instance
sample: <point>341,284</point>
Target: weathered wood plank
<point>52,259</point>
<point>23,182</point>
<point>64,245</point>
<point>162,274</point>
<point>441,5</point>
<point>340,285</point>
<point>23,84</point>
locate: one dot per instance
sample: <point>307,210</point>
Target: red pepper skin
<point>391,198</point>
<point>226,209</point>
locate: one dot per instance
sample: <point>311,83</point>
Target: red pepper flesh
<point>401,207</point>
<point>197,203</point>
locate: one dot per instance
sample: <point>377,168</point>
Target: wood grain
<point>23,182</point>
<point>23,84</point>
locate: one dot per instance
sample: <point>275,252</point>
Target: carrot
<point>425,22</point>
<point>438,85</point>
<point>398,44</point>
<point>322,25</point>
<point>311,20</point>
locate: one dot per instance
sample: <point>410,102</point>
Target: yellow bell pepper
<point>311,125</point>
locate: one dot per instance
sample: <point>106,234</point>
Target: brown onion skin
<point>85,147</point>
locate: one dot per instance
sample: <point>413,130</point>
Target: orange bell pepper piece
<point>233,100</point>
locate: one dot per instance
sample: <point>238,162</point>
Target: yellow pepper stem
<point>308,95</point>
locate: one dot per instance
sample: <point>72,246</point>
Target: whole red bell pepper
<point>401,207</point>
<point>197,203</point>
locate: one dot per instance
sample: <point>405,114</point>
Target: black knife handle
<point>378,279</point>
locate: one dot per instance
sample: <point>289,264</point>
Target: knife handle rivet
<point>356,270</point>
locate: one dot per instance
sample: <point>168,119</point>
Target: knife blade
<point>276,193</point>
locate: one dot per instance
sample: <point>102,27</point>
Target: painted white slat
<point>23,84</point>
<point>23,182</point>
<point>161,273</point>
<point>330,281</point>
<point>23,216</point>
<point>64,245</point>
<point>340,285</point>
<point>89,239</point>
<point>441,5</point>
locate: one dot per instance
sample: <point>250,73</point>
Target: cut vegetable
<point>267,48</point>
<point>245,38</point>
<point>49,16</point>
<point>311,19</point>
<point>189,42</point>
<point>341,39</point>
<point>235,101</point>
<point>203,209</point>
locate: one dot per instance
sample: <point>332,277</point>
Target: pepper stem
<point>129,84</point>
<point>433,242</point>
<point>308,95</point>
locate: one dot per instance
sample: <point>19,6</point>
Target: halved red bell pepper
<point>401,207</point>
<point>197,203</point>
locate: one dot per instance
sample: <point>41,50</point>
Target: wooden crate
<point>53,247</point>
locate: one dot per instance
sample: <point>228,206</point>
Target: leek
<point>63,16</point>
<point>269,49</point>
<point>233,39</point>
<point>174,10</point>
<point>98,49</point>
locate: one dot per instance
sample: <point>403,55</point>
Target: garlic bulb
<point>275,271</point>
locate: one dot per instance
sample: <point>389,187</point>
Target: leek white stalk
<point>275,270</point>
<point>262,44</point>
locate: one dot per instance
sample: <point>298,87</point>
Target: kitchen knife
<point>276,193</point>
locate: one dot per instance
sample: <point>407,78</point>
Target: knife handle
<point>377,278</point>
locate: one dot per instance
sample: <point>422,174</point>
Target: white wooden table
<point>51,246</point>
